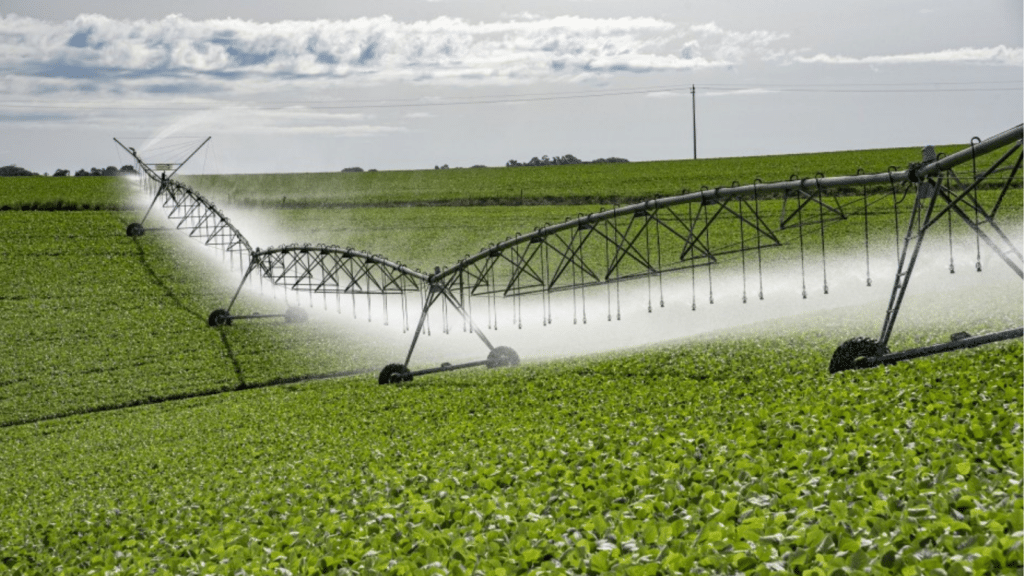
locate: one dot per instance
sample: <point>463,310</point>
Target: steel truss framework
<point>646,241</point>
<point>326,270</point>
<point>190,211</point>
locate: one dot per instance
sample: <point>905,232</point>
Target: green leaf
<point>599,561</point>
<point>858,560</point>
<point>746,563</point>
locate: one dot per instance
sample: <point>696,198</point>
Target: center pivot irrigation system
<point>592,255</point>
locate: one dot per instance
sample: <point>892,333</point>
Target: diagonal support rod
<point>437,292</point>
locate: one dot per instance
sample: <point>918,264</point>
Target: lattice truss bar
<point>325,269</point>
<point>616,246</point>
<point>201,219</point>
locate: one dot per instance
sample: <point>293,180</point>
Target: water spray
<point>645,241</point>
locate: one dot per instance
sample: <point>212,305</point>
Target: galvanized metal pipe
<point>912,174</point>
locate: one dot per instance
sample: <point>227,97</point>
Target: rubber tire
<point>295,315</point>
<point>502,357</point>
<point>855,353</point>
<point>394,374</point>
<point>219,317</point>
<point>135,230</point>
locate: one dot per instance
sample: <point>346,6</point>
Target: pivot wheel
<point>295,315</point>
<point>219,317</point>
<point>394,374</point>
<point>502,357</point>
<point>135,230</point>
<point>855,353</point>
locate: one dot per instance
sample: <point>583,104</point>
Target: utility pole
<point>693,96</point>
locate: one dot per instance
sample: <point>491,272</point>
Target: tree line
<point>12,170</point>
<point>568,159</point>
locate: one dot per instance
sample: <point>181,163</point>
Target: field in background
<point>159,445</point>
<point>572,184</point>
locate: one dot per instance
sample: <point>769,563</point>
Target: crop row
<point>95,320</point>
<point>726,455</point>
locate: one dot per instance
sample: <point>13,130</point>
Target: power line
<point>865,88</point>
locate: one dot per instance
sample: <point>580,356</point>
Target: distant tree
<point>128,169</point>
<point>561,161</point>
<point>12,170</point>
<point>82,172</point>
<point>61,172</point>
<point>108,171</point>
<point>352,169</point>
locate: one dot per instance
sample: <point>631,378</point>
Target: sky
<point>314,86</point>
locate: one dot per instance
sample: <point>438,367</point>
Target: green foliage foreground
<point>728,454</point>
<point>723,456</point>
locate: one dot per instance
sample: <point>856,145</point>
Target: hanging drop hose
<point>743,249</point>
<point>405,312</point>
<point>467,318</point>
<point>647,241</point>
<point>573,266</point>
<point>544,291</point>
<point>707,244</point>
<point>445,326</point>
<point>867,251</point>
<point>518,305</point>
<point>757,215</point>
<point>949,220</point>
<point>607,266</point>
<point>661,287</point>
<point>949,211</point>
<point>800,227</point>
<point>618,284</point>
<point>492,303</point>
<point>821,216</point>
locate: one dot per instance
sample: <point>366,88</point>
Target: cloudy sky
<point>309,85</point>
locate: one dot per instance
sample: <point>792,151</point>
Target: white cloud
<point>730,46</point>
<point>997,55</point>
<point>381,49</point>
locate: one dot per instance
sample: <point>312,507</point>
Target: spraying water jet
<point>644,242</point>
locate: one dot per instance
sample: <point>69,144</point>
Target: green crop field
<point>573,184</point>
<point>138,440</point>
<point>63,193</point>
